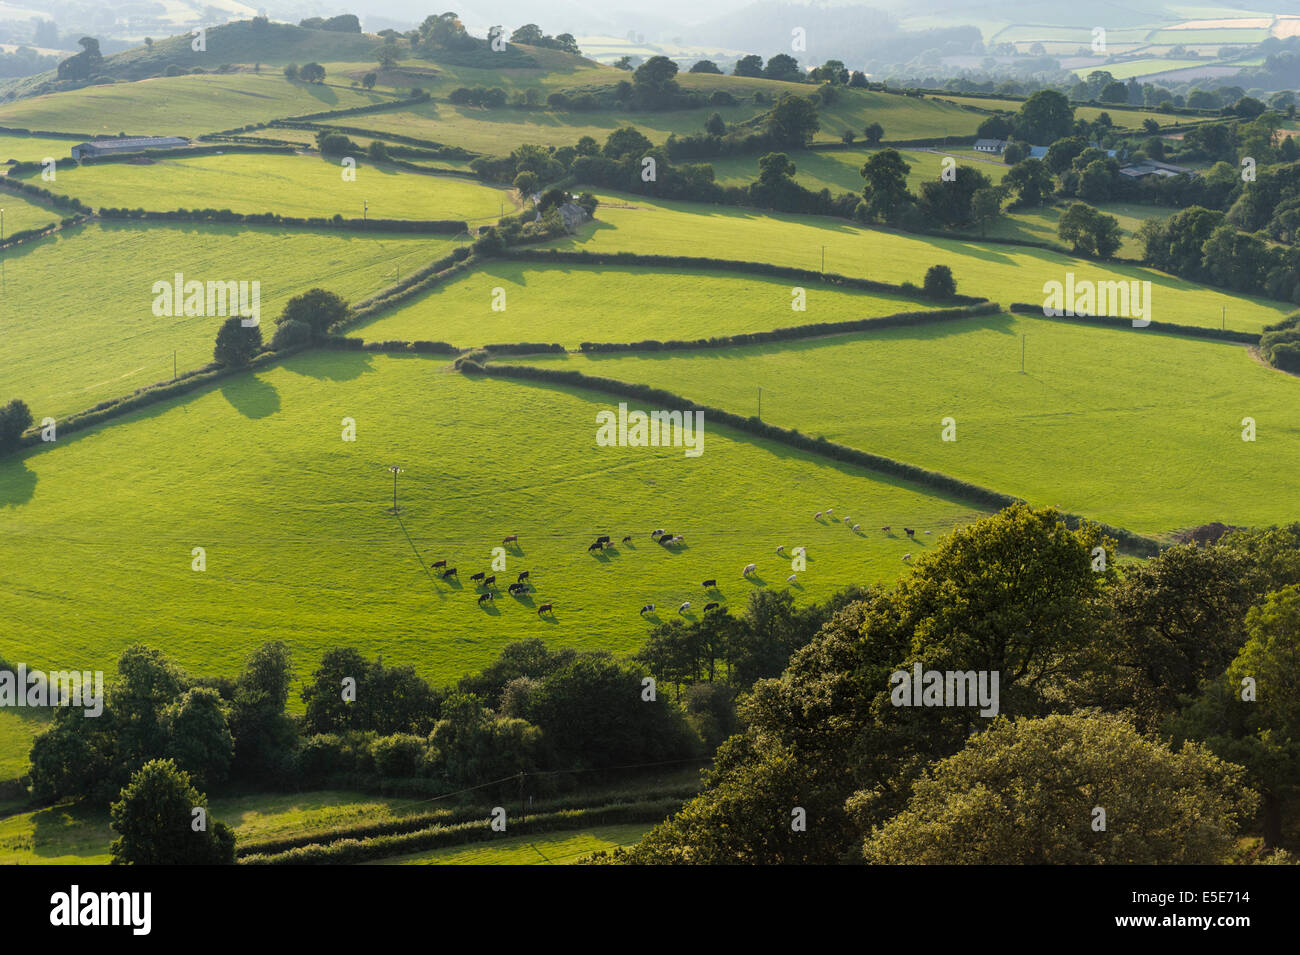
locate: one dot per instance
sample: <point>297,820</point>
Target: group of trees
<point>966,199</point>
<point>308,72</point>
<point>1164,694</point>
<point>305,318</point>
<point>1202,245</point>
<point>83,65</point>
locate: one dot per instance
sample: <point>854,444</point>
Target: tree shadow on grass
<point>17,482</point>
<point>326,364</point>
<point>251,396</point>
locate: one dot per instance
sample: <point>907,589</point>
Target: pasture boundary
<point>1167,328</point>
<point>972,493</point>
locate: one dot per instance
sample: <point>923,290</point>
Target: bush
<point>290,334</point>
<point>939,282</point>
<point>236,344</point>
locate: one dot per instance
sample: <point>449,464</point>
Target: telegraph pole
<point>1022,352</point>
<point>396,469</point>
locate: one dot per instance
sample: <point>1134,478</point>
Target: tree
<point>154,820</point>
<point>848,136</point>
<point>312,73</point>
<point>1114,92</point>
<point>264,736</point>
<point>1045,117</point>
<point>83,65</point>
<point>751,65</point>
<point>715,125</point>
<point>526,183</point>
<point>291,71</point>
<point>529,34</point>
<point>1090,232</point>
<point>198,735</point>
<point>316,308</point>
<point>236,345</point>
<point>793,120</point>
<point>368,81</point>
<point>626,142</point>
<point>705,66</point>
<point>1026,792</point>
<point>1031,180</point>
<point>783,66</point>
<point>656,72</point>
<point>885,191</point>
<point>950,202</point>
<point>774,167</point>
<point>939,282</point>
<point>15,418</point>
<point>874,133</point>
<point>1062,153</point>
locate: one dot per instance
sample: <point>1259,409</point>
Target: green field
<point>498,131</point>
<point>1138,429</point>
<point>1003,273</point>
<point>551,848</point>
<point>36,148</point>
<point>903,117</point>
<point>301,186</point>
<point>293,517</point>
<point>1142,66</point>
<point>78,332</point>
<point>21,214</point>
<point>1226,37</point>
<point>181,105</point>
<point>570,305</point>
<point>17,730</point>
<point>1123,118</point>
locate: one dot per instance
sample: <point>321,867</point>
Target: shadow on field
<point>251,396</point>
<point>329,365</point>
<point>17,482</point>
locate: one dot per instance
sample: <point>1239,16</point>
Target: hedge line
<point>360,110</point>
<point>182,152</point>
<point>815,330</point>
<point>25,234</point>
<point>47,134</point>
<point>343,343</point>
<point>450,817</point>
<point>461,260</point>
<point>41,194</point>
<point>893,143</point>
<point>732,265</point>
<point>348,851</point>
<point>419,226</point>
<point>444,151</point>
<point>954,487</point>
<point>523,348</point>
<point>1171,328</point>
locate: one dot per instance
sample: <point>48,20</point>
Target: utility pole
<point>1022,352</point>
<point>365,208</point>
<point>173,364</point>
<point>396,469</point>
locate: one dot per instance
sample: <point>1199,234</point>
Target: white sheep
<point>791,578</point>
<point>684,607</point>
<point>907,557</point>
<point>857,527</point>
<point>749,569</point>
<point>780,549</point>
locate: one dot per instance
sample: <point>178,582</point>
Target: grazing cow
<point>602,539</point>
<point>483,597</point>
<point>648,608</point>
<point>451,572</point>
<point>791,579</point>
<point>545,608</point>
<point>667,539</point>
<point>713,605</point>
<point>627,539</point>
<point>596,546</point>
<point>780,549</point>
<point>516,589</point>
<point>857,527</point>
<point>523,575</point>
<point>749,569</point>
<point>909,531</point>
<point>907,557</point>
<point>711,583</point>
<point>886,529</point>
<point>657,532</point>
<point>439,563</point>
<point>489,581</point>
<point>512,539</point>
<point>479,576</point>
<point>686,605</point>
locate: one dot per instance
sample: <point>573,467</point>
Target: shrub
<point>939,282</point>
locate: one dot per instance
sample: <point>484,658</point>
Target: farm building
<point>990,146</point>
<point>1149,167</point>
<point>133,144</point>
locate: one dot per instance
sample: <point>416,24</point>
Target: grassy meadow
<point>549,848</point>
<point>1138,429</point>
<point>21,213</point>
<point>840,170</point>
<point>302,186</point>
<point>299,547</point>
<point>1003,273</point>
<point>570,305</point>
<point>181,105</point>
<point>80,331</point>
